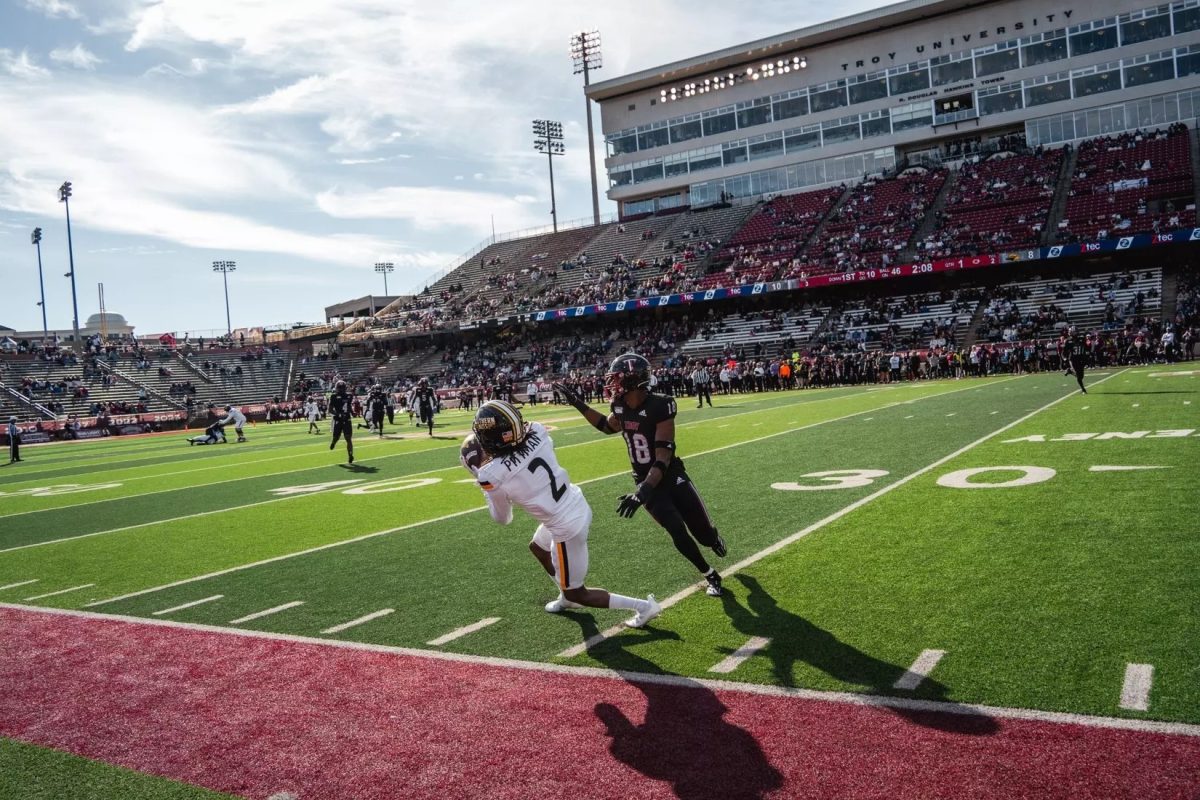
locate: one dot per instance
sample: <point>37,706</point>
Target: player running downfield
<point>515,464</point>
<point>1070,349</point>
<point>341,415</point>
<point>647,421</point>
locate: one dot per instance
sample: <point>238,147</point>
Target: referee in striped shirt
<point>14,441</point>
<point>701,381</point>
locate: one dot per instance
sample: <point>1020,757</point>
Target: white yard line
<point>454,514</point>
<point>920,670</point>
<point>266,612</point>
<point>583,647</point>
<point>173,609</point>
<point>383,612</point>
<point>18,583</point>
<point>1135,692</point>
<point>458,633</point>
<point>847,698</point>
<point>60,591</point>
<point>735,659</point>
<point>1120,468</point>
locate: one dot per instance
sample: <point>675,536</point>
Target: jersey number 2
<point>556,491</point>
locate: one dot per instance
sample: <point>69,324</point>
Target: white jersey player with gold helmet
<point>515,465</point>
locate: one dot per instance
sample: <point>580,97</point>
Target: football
<point>472,453</point>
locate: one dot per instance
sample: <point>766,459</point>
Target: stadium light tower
<point>36,240</point>
<point>384,268</point>
<point>549,141</point>
<point>64,197</point>
<point>226,267</point>
<point>585,52</point>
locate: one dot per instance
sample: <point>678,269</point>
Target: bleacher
<point>260,379</point>
<point>770,330</point>
<point>900,322</point>
<point>1001,202</point>
<point>1043,307</point>
<point>119,391</point>
<point>1129,183</point>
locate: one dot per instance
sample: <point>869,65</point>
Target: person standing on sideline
<point>313,413</point>
<point>532,391</point>
<point>702,382</point>
<point>515,464</point>
<point>14,441</point>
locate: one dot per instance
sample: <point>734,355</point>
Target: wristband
<point>661,465</point>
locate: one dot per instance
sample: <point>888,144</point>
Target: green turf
<point>28,772</point>
<point>1039,594</point>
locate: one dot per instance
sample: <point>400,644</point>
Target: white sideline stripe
<point>458,633</point>
<point>1135,692</point>
<point>952,414</point>
<point>188,605</point>
<point>910,416</point>
<point>266,612</point>
<point>1119,468</point>
<point>409,475</point>
<point>584,646</point>
<point>735,659</point>
<point>994,413</point>
<point>454,514</point>
<point>848,698</point>
<point>383,612</point>
<point>60,591</point>
<point>19,583</point>
<point>920,670</point>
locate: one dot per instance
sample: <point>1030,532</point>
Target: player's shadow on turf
<point>796,640</point>
<point>358,468</point>
<point>684,738</point>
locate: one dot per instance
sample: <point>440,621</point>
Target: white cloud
<point>20,65</point>
<point>432,208</point>
<point>78,56</point>
<point>54,8</point>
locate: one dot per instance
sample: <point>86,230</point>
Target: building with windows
<point>921,80</point>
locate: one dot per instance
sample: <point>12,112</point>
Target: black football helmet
<point>498,427</point>
<point>626,373</point>
<point>340,387</point>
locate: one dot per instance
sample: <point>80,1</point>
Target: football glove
<point>630,503</point>
<point>571,396</point>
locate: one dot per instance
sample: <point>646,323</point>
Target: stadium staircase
<point>971,332</point>
<point>15,404</point>
<point>150,390</point>
<point>1062,191</point>
<point>912,251</point>
<point>820,229</point>
<point>722,224</point>
<point>1170,291</point>
<point>193,367</point>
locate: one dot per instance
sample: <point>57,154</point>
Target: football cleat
<point>559,604</point>
<point>714,584</point>
<point>352,458</point>
<point>719,547</point>
<point>651,610</point>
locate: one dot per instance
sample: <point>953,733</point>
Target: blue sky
<point>304,140</point>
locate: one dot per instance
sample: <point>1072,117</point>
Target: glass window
<point>622,178</point>
<point>1007,100</point>
<point>797,140</point>
<point>1187,19</point>
<point>720,123</point>
<point>637,207</point>
<point>758,115</point>
<point>655,138</point>
<point>734,155</point>
<point>792,107</point>
<point>841,133</point>
<point>624,144</point>
<point>880,126</point>
<point>1044,52</point>
<point>683,131</point>
<point>648,173</point>
<point>868,90</point>
<point>1188,64</point>
<point>1143,30</point>
<point>823,101</point>
<point>1041,94</point>
<point>1106,81</point>
<point>771,147</point>
<point>1086,42</point>
<point>953,72</point>
<point>1152,72</point>
<point>708,161</point>
<point>907,82</point>
<point>1000,61</point>
<point>676,165</point>
<point>917,115</point>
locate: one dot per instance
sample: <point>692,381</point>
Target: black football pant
<point>377,421</point>
<point>14,449</point>
<point>677,507</point>
<point>1077,363</point>
<point>702,394</point>
<point>343,428</point>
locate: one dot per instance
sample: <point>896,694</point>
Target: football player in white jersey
<point>515,464</point>
<point>313,412</point>
<point>235,417</point>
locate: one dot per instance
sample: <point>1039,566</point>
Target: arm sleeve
<point>499,506</point>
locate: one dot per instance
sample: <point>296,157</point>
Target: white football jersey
<point>533,479</point>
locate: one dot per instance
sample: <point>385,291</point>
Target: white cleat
<point>652,610</point>
<point>559,604</point>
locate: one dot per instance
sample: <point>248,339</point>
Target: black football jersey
<point>424,396</point>
<point>638,426</point>
<point>339,407</point>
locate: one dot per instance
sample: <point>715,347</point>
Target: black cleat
<point>714,584</point>
<point>352,458</point>
<point>719,547</point>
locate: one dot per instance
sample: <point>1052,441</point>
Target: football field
<point>994,550</point>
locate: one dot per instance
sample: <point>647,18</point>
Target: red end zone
<point>258,716</point>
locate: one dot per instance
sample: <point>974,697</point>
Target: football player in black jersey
<point>647,421</point>
<point>1070,350</point>
<point>425,400</point>
<point>342,415</point>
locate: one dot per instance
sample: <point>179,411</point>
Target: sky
<point>304,140</point>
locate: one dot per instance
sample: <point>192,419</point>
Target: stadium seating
<point>761,332</point>
<point>904,322</point>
